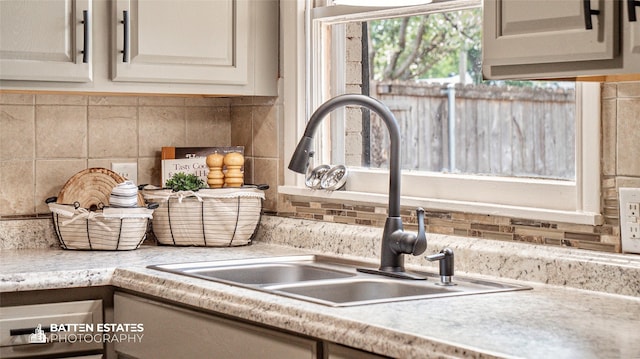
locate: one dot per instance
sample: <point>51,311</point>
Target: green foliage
<point>425,46</point>
<point>184,182</point>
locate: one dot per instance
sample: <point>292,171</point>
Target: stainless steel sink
<point>268,273</point>
<point>329,281</point>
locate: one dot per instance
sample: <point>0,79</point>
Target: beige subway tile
<point>248,170</point>
<point>17,188</point>
<point>61,131</point>
<point>49,99</point>
<point>610,239</point>
<point>582,236</point>
<point>103,162</point>
<point>158,127</point>
<point>51,175</point>
<point>440,229</point>
<point>609,90</point>
<point>113,131</point>
<point>497,235</point>
<point>241,128</point>
<point>344,220</point>
<point>629,89</point>
<point>461,232</point>
<point>265,132</point>
<point>149,171</point>
<point>16,98</point>
<point>265,101</point>
<point>208,126</point>
<point>609,182</point>
<point>17,134</point>
<point>242,101</point>
<point>627,181</point>
<point>628,131</point>
<point>284,205</point>
<point>161,101</point>
<point>571,227</point>
<point>538,232</point>
<point>596,246</point>
<point>480,218</point>
<point>113,100</point>
<point>207,101</point>
<point>266,171</point>
<point>609,133</point>
<point>106,162</point>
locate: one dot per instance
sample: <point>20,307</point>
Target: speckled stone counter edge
<point>604,272</point>
<point>598,271</point>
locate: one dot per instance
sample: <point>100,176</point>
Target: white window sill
<point>588,218</point>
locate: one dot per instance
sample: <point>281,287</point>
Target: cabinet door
<point>26,330</point>
<point>45,40</point>
<point>517,32</point>
<point>187,41</point>
<point>632,39</point>
<point>174,332</point>
<point>335,351</point>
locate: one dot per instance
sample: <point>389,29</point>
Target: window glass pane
<point>426,69</point>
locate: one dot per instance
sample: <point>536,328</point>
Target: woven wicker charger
<point>91,187</point>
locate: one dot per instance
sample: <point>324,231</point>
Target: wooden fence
<point>507,131</point>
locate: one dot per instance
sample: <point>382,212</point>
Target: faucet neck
<point>394,137</point>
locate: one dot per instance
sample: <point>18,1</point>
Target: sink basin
<point>263,271</point>
<point>268,273</point>
<point>363,291</point>
<point>329,281</point>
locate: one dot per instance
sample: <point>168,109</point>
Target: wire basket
<point>103,229</point>
<point>221,217</point>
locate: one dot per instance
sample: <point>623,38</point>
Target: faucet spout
<point>304,150</point>
<point>395,241</point>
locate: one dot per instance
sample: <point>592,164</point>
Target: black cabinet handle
<point>126,36</point>
<point>587,14</point>
<point>87,36</point>
<point>25,331</point>
<point>631,7</point>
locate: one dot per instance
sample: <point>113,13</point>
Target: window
<point>467,146</point>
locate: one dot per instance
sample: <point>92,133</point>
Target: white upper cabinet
<point>188,41</point>
<point>632,28</point>
<point>46,40</point>
<point>550,38</point>
<point>210,47</point>
<point>537,31</point>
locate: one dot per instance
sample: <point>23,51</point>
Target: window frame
<point>539,199</point>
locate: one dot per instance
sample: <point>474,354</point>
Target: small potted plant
<point>184,182</point>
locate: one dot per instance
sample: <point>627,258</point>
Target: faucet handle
<point>421,241</point>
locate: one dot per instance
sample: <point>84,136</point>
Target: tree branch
<point>393,60</point>
<point>403,69</point>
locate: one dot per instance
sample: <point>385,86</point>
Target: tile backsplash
<point>46,138</point>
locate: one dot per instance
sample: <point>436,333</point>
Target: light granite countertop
<point>553,321</point>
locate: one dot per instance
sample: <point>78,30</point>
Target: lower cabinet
<point>169,331</point>
<point>335,351</point>
<point>60,329</point>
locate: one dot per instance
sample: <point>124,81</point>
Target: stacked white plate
<point>124,194</point>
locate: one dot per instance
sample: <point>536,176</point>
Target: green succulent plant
<point>184,182</point>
